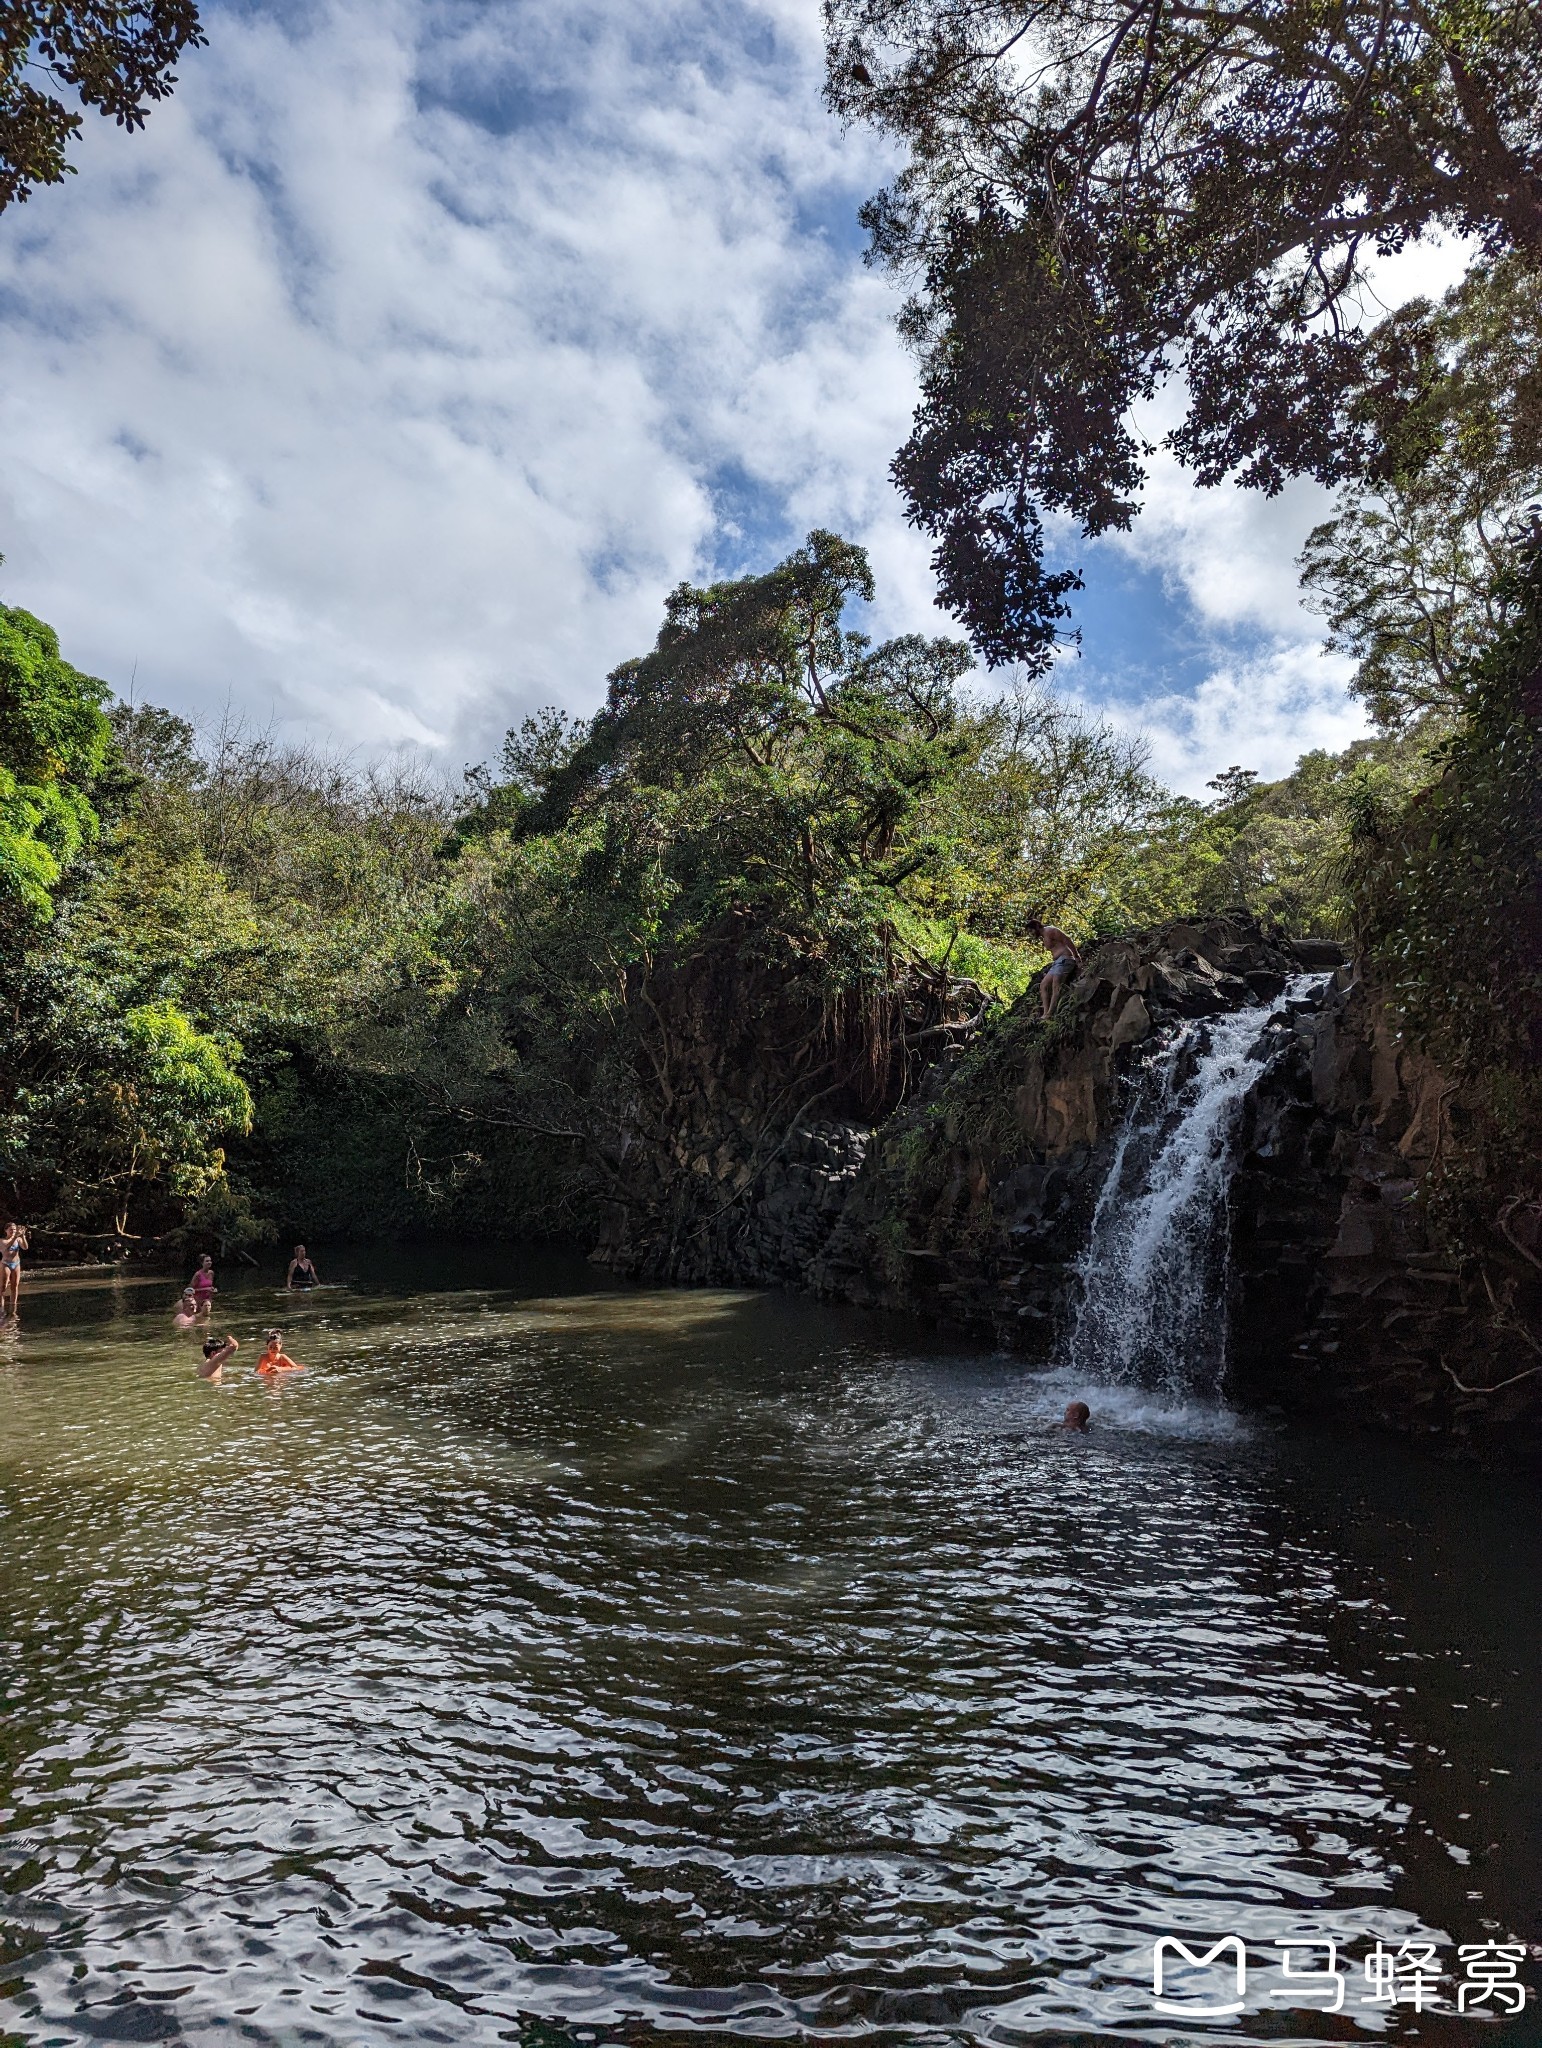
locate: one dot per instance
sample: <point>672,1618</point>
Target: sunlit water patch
<point>634,1665</point>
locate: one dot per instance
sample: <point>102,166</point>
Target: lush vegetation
<point>1445,892</point>
<point>224,913</point>
<point>246,986</point>
<point>54,751</point>
<point>1430,573</point>
<point>1414,572</point>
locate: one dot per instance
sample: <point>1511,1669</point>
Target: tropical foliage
<point>113,55</point>
<point>254,986</point>
<point>1414,570</point>
<point>267,987</point>
<point>1099,197</point>
<point>53,744</point>
<point>1446,894</point>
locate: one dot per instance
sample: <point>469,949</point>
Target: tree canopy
<point>1415,570</point>
<point>797,763</point>
<point>138,1099</point>
<point>53,744</point>
<point>1446,896</point>
<point>1100,195</point>
<point>116,56</point>
<point>274,987</point>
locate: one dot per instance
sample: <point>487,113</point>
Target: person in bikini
<point>1063,962</point>
<point>302,1271</point>
<point>275,1360</point>
<point>202,1284</point>
<point>13,1242</point>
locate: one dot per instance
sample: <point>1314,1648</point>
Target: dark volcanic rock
<point>952,1175</point>
<point>755,1104</point>
<point>975,1200</point>
<point>1342,1299</point>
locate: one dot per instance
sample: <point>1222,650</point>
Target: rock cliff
<point>915,1162</point>
<point>1345,1301</point>
<point>756,1100</point>
<point>976,1196</point>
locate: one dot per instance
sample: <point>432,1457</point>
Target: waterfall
<point>1154,1273</point>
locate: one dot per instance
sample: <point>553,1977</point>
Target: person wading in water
<point>275,1359</point>
<point>302,1271</point>
<point>202,1284</point>
<point>1063,963</point>
<point>12,1245</point>
<point>215,1352</point>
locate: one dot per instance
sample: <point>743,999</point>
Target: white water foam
<point>1154,1274</point>
<point>1138,1411</point>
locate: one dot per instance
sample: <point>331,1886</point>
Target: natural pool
<point>551,1661</point>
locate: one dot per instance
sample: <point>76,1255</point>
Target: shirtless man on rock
<point>1063,961</point>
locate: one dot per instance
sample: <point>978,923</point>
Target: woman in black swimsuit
<point>301,1272</point>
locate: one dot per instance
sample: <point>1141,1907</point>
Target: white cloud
<point>389,421</point>
<point>1261,713</point>
<point>389,379</point>
<point>1228,560</point>
<point>1230,553</point>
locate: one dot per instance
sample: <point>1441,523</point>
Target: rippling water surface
<point>551,1662</point>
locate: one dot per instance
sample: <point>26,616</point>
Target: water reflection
<point>651,1663</point>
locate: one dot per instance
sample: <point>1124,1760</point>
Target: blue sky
<point>385,383</point>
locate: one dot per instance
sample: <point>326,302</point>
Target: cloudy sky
<point>385,383</point>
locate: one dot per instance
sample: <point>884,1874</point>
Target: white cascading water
<point>1154,1274</point>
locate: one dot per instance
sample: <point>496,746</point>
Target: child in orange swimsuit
<point>275,1359</point>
